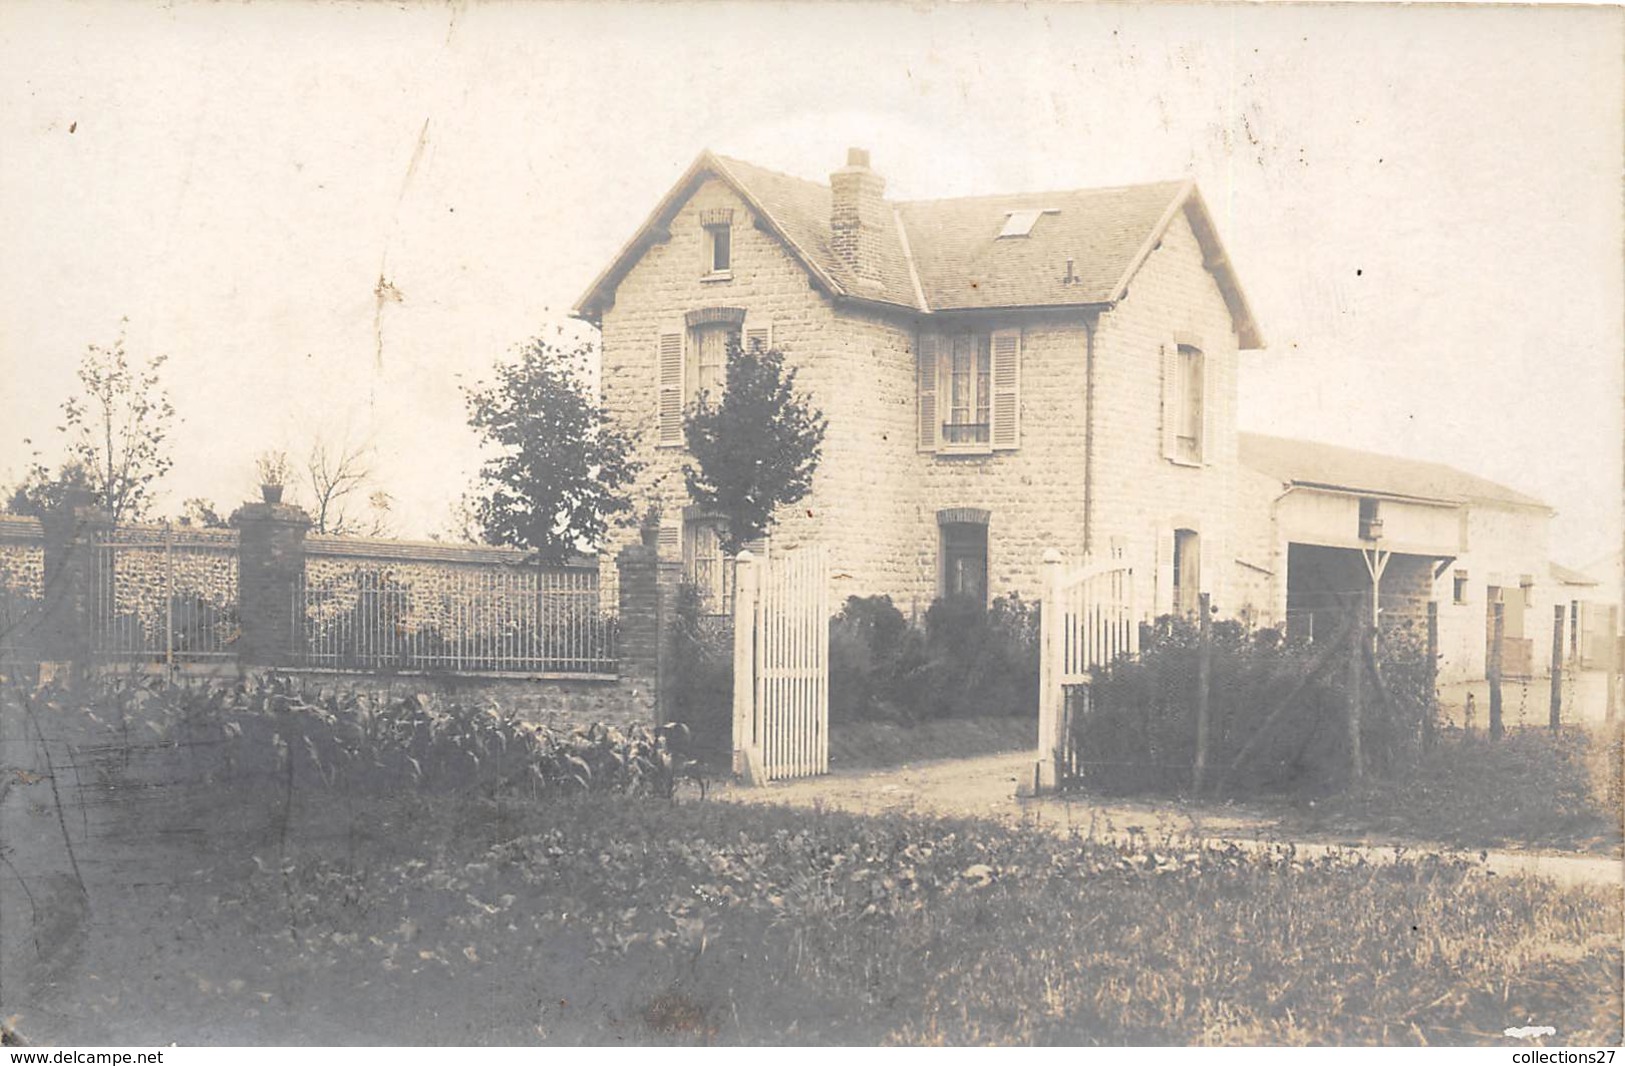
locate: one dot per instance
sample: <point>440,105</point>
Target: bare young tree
<point>345,499</point>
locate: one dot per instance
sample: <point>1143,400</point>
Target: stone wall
<point>22,556</point>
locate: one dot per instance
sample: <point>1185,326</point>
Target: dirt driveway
<point>987,788</point>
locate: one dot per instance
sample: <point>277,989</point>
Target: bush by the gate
<point>700,677</point>
<point>964,661</point>
<point>1138,734</point>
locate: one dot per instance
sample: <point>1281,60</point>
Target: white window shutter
<point>926,375</point>
<point>670,405</point>
<point>758,336</point>
<point>1170,405</point>
<point>1006,405</point>
<point>670,544</point>
<point>1210,409</point>
<point>1164,600</point>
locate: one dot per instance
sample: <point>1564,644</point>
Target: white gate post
<point>746,759</point>
<point>1049,678</point>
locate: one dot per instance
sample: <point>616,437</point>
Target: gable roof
<point>1311,464</point>
<point>945,255</point>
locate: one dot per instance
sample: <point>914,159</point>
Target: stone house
<point>1312,516</point>
<point>1001,374</point>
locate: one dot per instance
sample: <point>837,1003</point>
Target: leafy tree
<point>560,471</point>
<point>42,491</point>
<point>755,448</point>
<point>118,429</point>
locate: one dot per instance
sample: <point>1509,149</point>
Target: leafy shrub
<point>966,661</point>
<point>1139,733</point>
<point>874,657</point>
<point>273,730</point>
<point>700,679</point>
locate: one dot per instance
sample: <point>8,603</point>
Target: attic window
<point>1020,223</point>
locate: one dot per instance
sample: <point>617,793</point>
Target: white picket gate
<point>1088,620</point>
<point>781,665</point>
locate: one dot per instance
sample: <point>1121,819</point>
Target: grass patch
<point>875,745</point>
<point>611,919</point>
<point>1529,789</point>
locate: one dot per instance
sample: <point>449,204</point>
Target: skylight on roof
<point>1020,223</point>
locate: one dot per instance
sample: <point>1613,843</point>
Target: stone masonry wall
<point>655,294</point>
<point>1139,495</point>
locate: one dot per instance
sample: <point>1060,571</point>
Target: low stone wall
<point>554,701</point>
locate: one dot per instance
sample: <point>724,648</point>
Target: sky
<point>1423,203</point>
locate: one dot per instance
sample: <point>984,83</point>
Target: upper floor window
<point>717,227</point>
<point>969,391</point>
<point>1458,590</point>
<point>708,370</point>
<point>691,358</point>
<point>1185,414</point>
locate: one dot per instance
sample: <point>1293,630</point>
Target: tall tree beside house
<point>560,470</point>
<point>755,448</point>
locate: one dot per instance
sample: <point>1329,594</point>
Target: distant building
<point>1322,518</point>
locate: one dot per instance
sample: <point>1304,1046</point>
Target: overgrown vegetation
<point>433,909</point>
<point>701,675</point>
<point>1530,788</point>
<point>964,662</point>
<point>1139,733</point>
<point>275,731</point>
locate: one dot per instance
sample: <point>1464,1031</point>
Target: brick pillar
<point>271,560</point>
<point>648,588</point>
<point>71,533</point>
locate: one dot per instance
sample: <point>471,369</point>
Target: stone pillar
<point>71,533</point>
<point>647,589</point>
<point>271,561</point>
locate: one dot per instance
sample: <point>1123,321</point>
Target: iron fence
<point>163,595</point>
<point>356,612</point>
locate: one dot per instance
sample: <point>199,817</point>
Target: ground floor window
<point>1187,570</point>
<point>704,564</point>
<point>964,561</point>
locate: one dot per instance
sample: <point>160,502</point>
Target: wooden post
<point>1430,707</point>
<point>1497,632</point>
<point>1204,673</point>
<point>1049,688</point>
<point>1613,662</point>
<point>1356,673</point>
<point>1557,668</point>
<point>746,760</point>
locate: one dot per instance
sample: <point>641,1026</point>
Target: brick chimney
<point>857,215</point>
